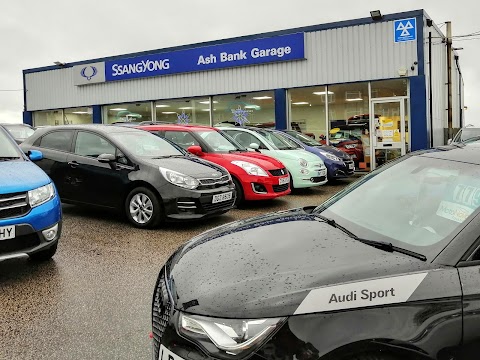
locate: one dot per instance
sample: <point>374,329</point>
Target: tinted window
<point>181,138</point>
<point>58,140</point>
<point>92,145</point>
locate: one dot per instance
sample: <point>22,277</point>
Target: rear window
<point>58,140</point>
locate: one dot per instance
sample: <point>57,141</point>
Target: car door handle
<point>73,164</point>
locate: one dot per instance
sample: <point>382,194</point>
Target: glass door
<point>388,130</point>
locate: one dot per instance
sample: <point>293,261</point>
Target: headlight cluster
<point>303,162</point>
<point>250,168</point>
<point>180,179</point>
<point>331,156</point>
<point>41,195</point>
<point>226,337</point>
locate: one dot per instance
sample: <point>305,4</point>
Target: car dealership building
<point>381,80</point>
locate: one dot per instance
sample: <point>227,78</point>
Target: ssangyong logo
<point>88,72</point>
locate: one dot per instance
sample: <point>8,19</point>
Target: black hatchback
<point>148,178</point>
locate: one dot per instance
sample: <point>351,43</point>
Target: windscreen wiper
<point>167,156</point>
<point>382,245</point>
<point>6,158</point>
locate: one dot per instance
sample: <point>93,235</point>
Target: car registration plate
<point>7,232</point>
<point>322,172</point>
<point>351,166</point>
<point>222,197</point>
<point>284,180</point>
<point>165,354</point>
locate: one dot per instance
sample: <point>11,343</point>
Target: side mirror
<point>106,158</point>
<point>35,155</point>
<point>449,141</point>
<point>254,146</point>
<point>195,150</point>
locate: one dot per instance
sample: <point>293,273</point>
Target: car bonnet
<point>20,176</point>
<point>269,266</point>
<point>189,165</point>
<point>264,161</point>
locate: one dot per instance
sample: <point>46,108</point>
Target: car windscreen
<point>277,141</point>
<point>419,203</point>
<point>20,132</point>
<point>219,142</point>
<point>8,150</point>
<point>307,140</point>
<point>145,144</point>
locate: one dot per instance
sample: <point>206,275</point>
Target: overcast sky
<point>36,33</point>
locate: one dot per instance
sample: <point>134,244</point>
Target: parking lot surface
<point>93,300</point>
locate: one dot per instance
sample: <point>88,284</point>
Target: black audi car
<point>387,269</point>
<point>148,178</point>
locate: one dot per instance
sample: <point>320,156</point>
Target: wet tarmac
<point>93,300</point>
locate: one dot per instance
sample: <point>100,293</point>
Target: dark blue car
<point>339,164</point>
<point>30,210</point>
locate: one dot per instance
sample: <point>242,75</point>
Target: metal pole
<point>449,79</point>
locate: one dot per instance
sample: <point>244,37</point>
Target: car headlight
<point>331,156</point>
<point>303,162</point>
<point>41,195</point>
<point>180,179</point>
<point>226,337</point>
<point>250,168</point>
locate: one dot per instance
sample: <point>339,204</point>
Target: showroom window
<point>308,111</point>
<point>135,112</point>
<point>389,88</point>
<point>81,115</point>
<point>348,113</point>
<point>48,118</point>
<point>252,109</point>
<point>183,111</point>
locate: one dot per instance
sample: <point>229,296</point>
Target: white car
<point>305,168</point>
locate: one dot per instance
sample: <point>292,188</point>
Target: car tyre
<point>143,208</point>
<point>239,189</point>
<point>44,255</point>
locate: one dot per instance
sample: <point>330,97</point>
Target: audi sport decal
<point>382,291</point>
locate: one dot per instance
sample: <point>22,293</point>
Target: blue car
<point>30,209</point>
<point>339,164</point>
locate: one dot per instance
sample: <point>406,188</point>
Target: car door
<point>93,182</point>
<point>55,146</point>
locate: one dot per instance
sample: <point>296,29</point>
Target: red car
<point>256,176</point>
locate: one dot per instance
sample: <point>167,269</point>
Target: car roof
<point>465,154</point>
<point>100,128</point>
<point>176,127</point>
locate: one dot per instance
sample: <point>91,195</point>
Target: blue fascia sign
<point>280,48</point>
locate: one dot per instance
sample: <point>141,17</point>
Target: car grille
<point>318,179</point>
<point>13,205</point>
<point>160,314</point>
<point>19,243</point>
<point>224,205</point>
<point>280,188</point>
<point>213,183</point>
<point>278,172</point>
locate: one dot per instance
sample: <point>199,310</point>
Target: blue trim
<point>329,26</point>
<point>418,114</point>
<point>420,45</point>
<point>24,93</point>
<point>96,114</point>
<point>28,118</point>
<point>280,109</point>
